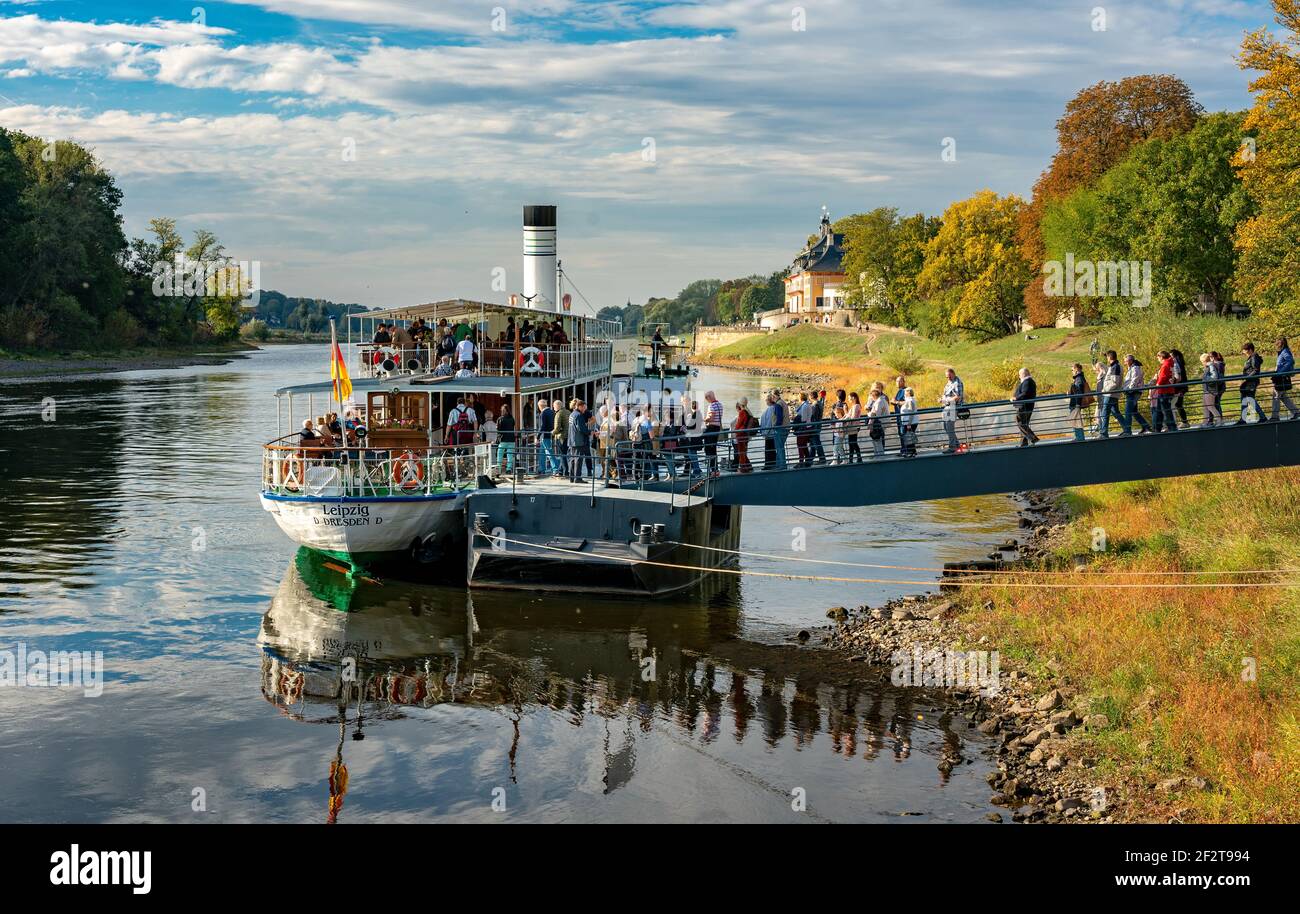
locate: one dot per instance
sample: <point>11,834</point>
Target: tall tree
<point>974,270</point>
<point>1100,125</point>
<point>1269,243</point>
<point>1174,202</point>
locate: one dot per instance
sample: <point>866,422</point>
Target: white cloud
<point>755,125</point>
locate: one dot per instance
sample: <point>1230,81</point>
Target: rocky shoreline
<point>1044,775</point>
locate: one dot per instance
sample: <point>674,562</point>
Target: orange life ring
<point>292,471</point>
<point>408,472</point>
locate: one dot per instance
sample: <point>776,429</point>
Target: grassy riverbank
<point>854,360</point>
<point>1201,685</point>
<point>1198,683</point>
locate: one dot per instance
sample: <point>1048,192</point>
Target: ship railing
<point>495,359</point>
<point>569,360</point>
<point>337,471</point>
<point>1192,405</point>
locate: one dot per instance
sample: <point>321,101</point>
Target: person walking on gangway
<point>1282,381</point>
<point>1024,396</point>
<point>1078,401</point>
<point>1110,380</point>
<point>1162,418</point>
<point>907,424</point>
<point>712,430</point>
<point>1211,416</point>
<point>954,395</point>
<point>1251,368</point>
<point>1133,384</point>
<point>878,412</point>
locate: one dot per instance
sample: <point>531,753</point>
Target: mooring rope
<point>1045,571</point>
<point>842,580</point>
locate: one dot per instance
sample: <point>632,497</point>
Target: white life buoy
<point>531,359</point>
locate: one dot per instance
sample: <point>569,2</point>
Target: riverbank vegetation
<point>1200,685</point>
<point>70,281</point>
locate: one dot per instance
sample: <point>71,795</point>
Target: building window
<point>819,301</point>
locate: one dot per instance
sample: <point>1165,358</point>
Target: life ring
<point>292,472</point>
<point>381,353</point>
<point>408,472</point>
<point>535,361</point>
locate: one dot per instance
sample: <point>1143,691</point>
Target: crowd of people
<point>690,438</point>
<point>693,438</point>
<point>453,349</point>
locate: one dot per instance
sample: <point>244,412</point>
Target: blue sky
<point>241,118</point>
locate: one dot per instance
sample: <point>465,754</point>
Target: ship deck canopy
<point>487,384</point>
<point>454,309</point>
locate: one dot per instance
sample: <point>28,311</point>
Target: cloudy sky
<point>380,150</point>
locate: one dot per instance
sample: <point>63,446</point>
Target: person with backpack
<point>1211,416</point>
<point>1282,381</point>
<point>1025,394</point>
<point>853,426</point>
<point>877,411</point>
<point>462,425</point>
<point>907,423</point>
<point>954,394</point>
<point>1251,368</point>
<point>1079,401</point>
<point>1180,379</point>
<point>1220,388</point>
<point>1162,418</point>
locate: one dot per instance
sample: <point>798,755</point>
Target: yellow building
<point>815,286</point>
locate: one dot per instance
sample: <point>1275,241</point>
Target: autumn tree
<point>1173,202</point>
<point>883,255</point>
<point>1100,125</point>
<point>974,270</point>
<point>1268,274</point>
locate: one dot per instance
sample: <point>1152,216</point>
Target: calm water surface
<point>131,526</point>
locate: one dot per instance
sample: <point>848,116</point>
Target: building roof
<point>825,255</point>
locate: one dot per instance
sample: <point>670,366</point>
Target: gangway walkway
<point>785,468</point>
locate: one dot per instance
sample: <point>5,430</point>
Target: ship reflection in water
<point>800,732</point>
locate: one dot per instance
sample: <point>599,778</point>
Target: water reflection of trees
<point>621,667</point>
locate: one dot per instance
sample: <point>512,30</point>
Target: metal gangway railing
<point>1055,419</point>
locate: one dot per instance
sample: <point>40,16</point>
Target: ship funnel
<point>539,257</point>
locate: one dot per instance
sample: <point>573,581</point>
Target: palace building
<point>815,286</point>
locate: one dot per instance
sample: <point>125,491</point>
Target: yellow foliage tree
<point>974,269</point>
<point>1268,271</point>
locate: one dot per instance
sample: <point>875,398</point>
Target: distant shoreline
<point>47,364</point>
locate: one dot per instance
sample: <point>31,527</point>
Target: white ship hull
<point>363,529</point>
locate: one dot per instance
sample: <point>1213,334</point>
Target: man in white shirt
<point>465,352</point>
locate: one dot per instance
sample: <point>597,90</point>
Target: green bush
<point>1005,375</point>
<point>902,360</point>
<point>120,331</point>
<point>255,330</point>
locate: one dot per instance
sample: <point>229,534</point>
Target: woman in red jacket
<point>1163,418</point>
<point>742,433</point>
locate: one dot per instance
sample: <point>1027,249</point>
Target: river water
<point>131,526</point>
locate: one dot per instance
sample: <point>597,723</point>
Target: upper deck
<point>551,346</point>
